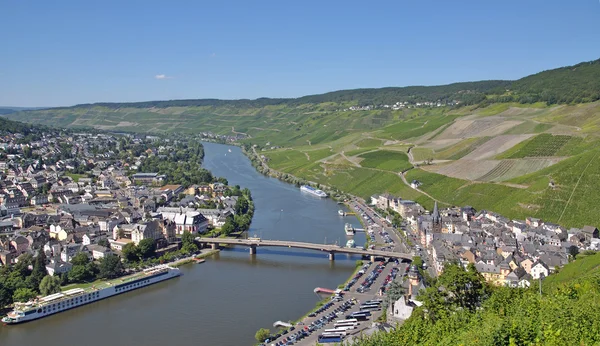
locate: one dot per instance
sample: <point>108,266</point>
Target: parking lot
<point>366,285</point>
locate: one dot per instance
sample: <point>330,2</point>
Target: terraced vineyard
<point>542,145</point>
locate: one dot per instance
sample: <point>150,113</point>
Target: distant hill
<point>571,84</point>
<point>8,110</point>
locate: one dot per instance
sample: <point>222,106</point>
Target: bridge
<point>331,249</point>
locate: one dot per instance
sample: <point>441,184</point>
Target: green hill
<point>514,147</point>
<point>568,313</point>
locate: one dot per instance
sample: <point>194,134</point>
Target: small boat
<point>229,150</point>
<point>341,213</point>
<point>351,243</point>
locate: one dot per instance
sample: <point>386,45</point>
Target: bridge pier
<point>253,249</point>
<point>372,258</point>
<point>214,246</point>
<point>332,256</point>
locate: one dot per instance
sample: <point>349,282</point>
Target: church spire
<point>436,214</point>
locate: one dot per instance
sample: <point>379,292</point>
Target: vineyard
<point>461,149</point>
<point>509,169</point>
<point>542,145</point>
<point>496,146</point>
<point>465,169</point>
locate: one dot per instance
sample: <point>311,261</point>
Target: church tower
<point>436,219</point>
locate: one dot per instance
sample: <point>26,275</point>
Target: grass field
<point>75,176</point>
<point>422,154</point>
<point>394,161</point>
<point>369,143</point>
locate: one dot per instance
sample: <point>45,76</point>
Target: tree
<point>130,252</point>
<point>39,271</point>
<point>49,285</point>
<point>80,258</point>
<point>104,242</point>
<point>146,248</point>
<point>395,292</point>
<point>466,288</point>
<point>110,267</point>
<point>24,295</point>
<point>228,227</point>
<point>77,273</point>
<point>188,243</point>
<point>417,261</point>
<point>573,251</point>
<point>262,334</point>
<point>241,206</point>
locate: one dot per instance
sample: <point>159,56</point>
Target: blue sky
<point>57,53</point>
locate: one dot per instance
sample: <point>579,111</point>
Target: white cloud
<point>162,76</point>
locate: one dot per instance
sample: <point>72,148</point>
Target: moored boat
<point>58,302</point>
<point>313,191</point>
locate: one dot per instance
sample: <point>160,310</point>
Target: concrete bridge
<point>331,249</point>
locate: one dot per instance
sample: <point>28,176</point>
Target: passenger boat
<point>58,302</point>
<point>313,191</point>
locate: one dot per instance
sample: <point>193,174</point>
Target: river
<point>228,298</point>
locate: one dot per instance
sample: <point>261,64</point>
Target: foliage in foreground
<point>566,314</point>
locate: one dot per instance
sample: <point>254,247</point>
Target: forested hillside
<point>460,309</point>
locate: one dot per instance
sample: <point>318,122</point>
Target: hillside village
<point>506,252</point>
<point>64,194</point>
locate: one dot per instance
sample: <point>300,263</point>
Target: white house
<point>58,267</point>
<point>539,269</point>
<point>98,251</point>
<point>404,307</point>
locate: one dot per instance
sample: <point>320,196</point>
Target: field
<point>542,145</point>
<point>464,169</point>
<point>369,143</point>
<point>461,149</point>
<point>422,154</point>
<point>394,161</point>
<point>509,169</point>
<point>495,146</point>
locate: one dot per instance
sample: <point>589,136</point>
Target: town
<point>506,252</point>
<point>70,202</point>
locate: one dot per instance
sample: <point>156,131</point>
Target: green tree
<point>188,243</point>
<point>228,227</point>
<point>104,242</point>
<point>80,258</point>
<point>466,288</point>
<point>262,334</point>
<point>573,251</point>
<point>146,248</point>
<point>49,285</point>
<point>417,261</point>
<point>39,271</point>
<point>241,206</point>
<point>110,267</point>
<point>24,294</point>
<point>130,252</point>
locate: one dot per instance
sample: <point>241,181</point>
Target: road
<point>400,245</point>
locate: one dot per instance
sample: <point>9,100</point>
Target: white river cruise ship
<point>55,303</point>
